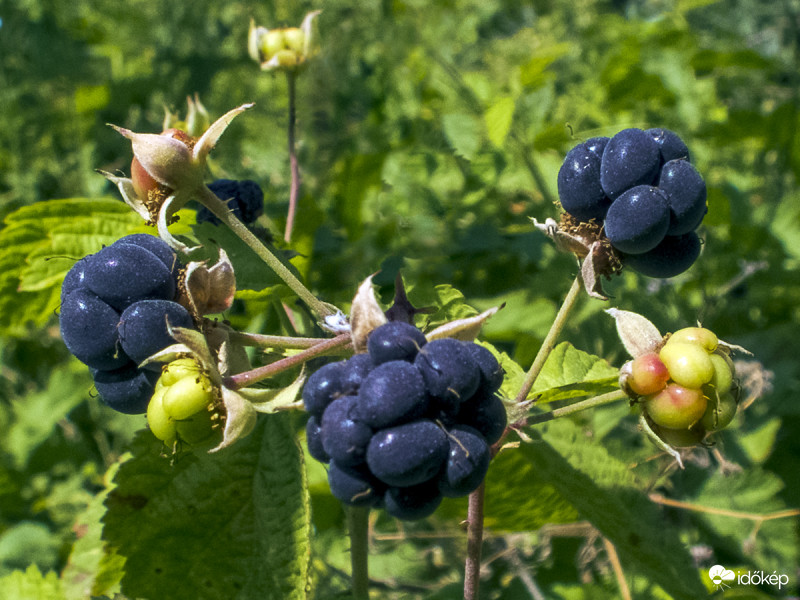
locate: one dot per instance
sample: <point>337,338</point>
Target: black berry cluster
<point>407,423</point>
<point>642,186</point>
<point>114,310</point>
<point>244,198</point>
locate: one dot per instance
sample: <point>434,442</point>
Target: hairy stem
<point>358,528</point>
<point>472,569</point>
<point>241,380</point>
<point>261,340</point>
<point>221,211</point>
<point>578,406</point>
<point>550,339</point>
<point>294,188</point>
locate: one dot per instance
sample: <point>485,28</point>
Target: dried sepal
<point>637,333</point>
<point>209,139</point>
<point>240,418</point>
<point>466,329</point>
<point>198,347</point>
<point>210,289</point>
<point>598,259</point>
<point>125,187</point>
<point>661,444</point>
<point>365,315</point>
<point>167,355</point>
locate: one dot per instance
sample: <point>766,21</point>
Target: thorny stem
<point>358,528</point>
<point>472,569</point>
<point>578,406</point>
<point>241,380</point>
<point>223,213</point>
<point>550,339</point>
<point>294,188</point>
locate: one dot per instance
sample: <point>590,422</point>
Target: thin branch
<point>472,569</point>
<point>274,341</point>
<point>224,214</point>
<point>550,339</point>
<point>724,512</point>
<point>578,406</point>
<point>294,188</point>
<point>241,380</point>
<point>624,590</point>
<point>358,528</point>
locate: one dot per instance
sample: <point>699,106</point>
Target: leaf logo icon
<point>718,574</point>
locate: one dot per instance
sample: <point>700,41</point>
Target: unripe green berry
<point>695,335</point>
<point>196,429</point>
<point>689,365</point>
<point>295,39</point>
<point>188,396</point>
<point>178,369</point>
<point>681,438</point>
<point>273,42</point>
<point>676,406</point>
<point>720,412</point>
<point>722,380</point>
<point>160,423</point>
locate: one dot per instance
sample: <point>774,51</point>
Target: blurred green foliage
<point>428,133</point>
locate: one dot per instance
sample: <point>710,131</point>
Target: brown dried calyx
<point>588,242</point>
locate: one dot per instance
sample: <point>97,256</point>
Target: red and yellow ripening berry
<point>676,406</point>
<point>648,374</point>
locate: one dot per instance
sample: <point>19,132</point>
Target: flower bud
<point>284,49</point>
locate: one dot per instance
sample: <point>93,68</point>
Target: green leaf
<point>31,585</point>
<point>606,492</point>
<point>517,498</point>
<point>41,242</point>
<point>464,133</point>
<point>228,525</point>
<point>26,543</point>
<point>91,572</point>
<point>498,120</point>
<point>572,373</point>
<point>776,543</point>
<point>36,415</point>
<point>251,272</point>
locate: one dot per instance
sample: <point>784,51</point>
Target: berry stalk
<point>294,189</point>
<point>578,406</point>
<point>241,380</point>
<point>221,211</point>
<point>472,568</point>
<point>358,527</point>
<point>550,339</point>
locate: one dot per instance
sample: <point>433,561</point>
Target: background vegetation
<point>429,133</point>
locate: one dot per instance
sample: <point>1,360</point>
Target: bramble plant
<point>283,428</point>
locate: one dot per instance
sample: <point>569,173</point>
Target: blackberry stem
<point>578,406</point>
<point>224,214</point>
<point>550,339</point>
<point>472,568</point>
<point>294,189</point>
<point>358,530</point>
<point>246,378</point>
